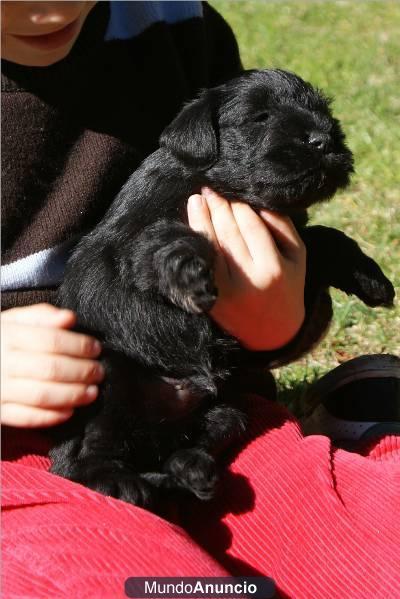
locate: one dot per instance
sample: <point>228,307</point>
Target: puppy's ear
<point>192,135</point>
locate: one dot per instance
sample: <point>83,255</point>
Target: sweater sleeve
<point>223,55</point>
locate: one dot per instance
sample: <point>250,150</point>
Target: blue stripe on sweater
<point>128,19</point>
<point>42,269</point>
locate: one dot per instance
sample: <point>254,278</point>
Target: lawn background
<point>351,49</point>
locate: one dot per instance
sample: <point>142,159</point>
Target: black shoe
<point>359,399</point>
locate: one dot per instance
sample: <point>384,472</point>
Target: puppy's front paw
<point>193,470</point>
<point>195,286</point>
<point>371,285</point>
<point>187,276</point>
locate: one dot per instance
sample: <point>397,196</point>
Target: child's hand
<point>46,371</point>
<point>260,270</point>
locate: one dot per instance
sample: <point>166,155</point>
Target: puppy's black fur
<point>142,281</point>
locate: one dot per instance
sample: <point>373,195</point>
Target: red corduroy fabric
<point>322,522</point>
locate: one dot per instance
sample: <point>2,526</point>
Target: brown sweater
<point>74,131</point>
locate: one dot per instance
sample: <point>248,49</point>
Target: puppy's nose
<point>319,140</point>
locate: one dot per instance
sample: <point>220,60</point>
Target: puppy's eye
<point>261,117</point>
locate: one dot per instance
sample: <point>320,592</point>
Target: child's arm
<point>46,370</point>
<point>260,270</point>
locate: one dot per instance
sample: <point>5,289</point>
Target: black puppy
<point>142,281</point>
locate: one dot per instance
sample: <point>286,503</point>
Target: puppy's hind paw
<point>130,488</point>
<point>193,470</point>
<point>114,480</point>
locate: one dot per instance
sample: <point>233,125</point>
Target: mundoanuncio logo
<point>259,587</point>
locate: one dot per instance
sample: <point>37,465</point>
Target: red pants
<point>322,522</point>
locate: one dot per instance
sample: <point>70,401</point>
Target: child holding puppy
<point>87,89</point>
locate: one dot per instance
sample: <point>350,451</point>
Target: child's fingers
<point>20,415</point>
<point>226,229</point>
<point>50,341</point>
<point>50,367</point>
<point>259,240</point>
<point>47,395</point>
<point>199,218</point>
<point>285,234</point>
<point>40,315</point>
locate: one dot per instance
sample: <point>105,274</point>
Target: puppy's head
<point>266,137</point>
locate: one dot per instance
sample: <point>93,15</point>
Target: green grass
<point>351,49</point>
